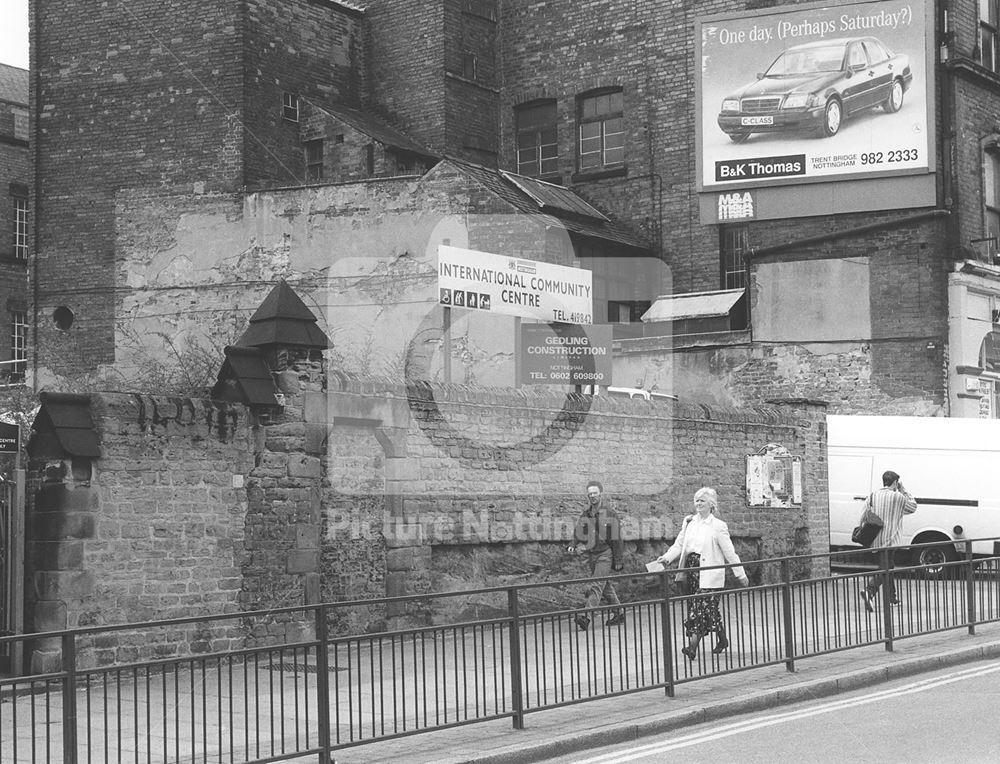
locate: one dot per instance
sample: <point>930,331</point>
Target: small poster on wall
<point>774,478</point>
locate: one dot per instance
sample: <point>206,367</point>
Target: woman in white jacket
<point>704,541</point>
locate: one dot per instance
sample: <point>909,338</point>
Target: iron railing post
<point>970,588</point>
<point>69,698</point>
<point>666,634</point>
<point>888,591</point>
<point>786,602</point>
<point>322,685</point>
<point>517,696</point>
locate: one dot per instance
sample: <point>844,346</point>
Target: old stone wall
<point>152,529</point>
<point>360,489</point>
<point>483,487</point>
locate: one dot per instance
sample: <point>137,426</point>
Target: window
<point>537,147</point>
<point>989,29</point>
<point>991,198</point>
<point>18,336</point>
<point>733,245</point>
<point>469,65</point>
<point>370,159</point>
<point>20,225</point>
<point>314,159</point>
<point>290,107</point>
<point>602,131</point>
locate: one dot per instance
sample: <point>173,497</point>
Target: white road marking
<point>736,728</point>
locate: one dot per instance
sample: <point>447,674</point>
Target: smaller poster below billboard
<point>513,286</point>
<point>565,354</point>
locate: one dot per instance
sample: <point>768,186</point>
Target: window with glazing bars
<point>602,130</point>
<point>20,221</point>
<point>314,159</point>
<point>989,34</point>
<point>18,340</point>
<point>733,246</point>
<point>537,142</point>
<point>991,198</point>
<point>290,107</point>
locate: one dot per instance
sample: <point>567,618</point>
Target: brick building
<point>15,180</point>
<point>184,144</point>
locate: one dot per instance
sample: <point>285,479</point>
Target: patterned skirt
<point>703,608</point>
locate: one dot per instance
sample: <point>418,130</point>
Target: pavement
<point>584,726</point>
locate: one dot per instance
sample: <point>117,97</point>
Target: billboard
<point>814,93</point>
<point>514,287</point>
<point>565,354</point>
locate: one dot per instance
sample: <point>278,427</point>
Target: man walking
<point>890,502</point>
<point>598,535</point>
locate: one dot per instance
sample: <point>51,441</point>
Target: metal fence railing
<point>323,691</point>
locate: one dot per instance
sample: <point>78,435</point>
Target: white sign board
<point>514,287</point>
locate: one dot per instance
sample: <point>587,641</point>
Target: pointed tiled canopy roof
<point>283,319</point>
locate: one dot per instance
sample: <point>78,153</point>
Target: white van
<point>950,466</point>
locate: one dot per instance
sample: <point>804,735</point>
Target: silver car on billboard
<point>816,86</point>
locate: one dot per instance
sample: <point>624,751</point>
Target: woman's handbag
<point>868,529</point>
<point>685,577</point>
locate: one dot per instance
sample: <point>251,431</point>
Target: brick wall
<point>15,178</point>
<point>314,50</point>
<point>406,45</point>
<point>151,104</point>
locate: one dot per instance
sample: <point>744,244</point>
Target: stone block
<point>46,661</point>
<point>64,584</point>
<point>400,534</point>
<point>302,561</point>
<point>311,589</point>
<point>402,470</point>
<point>56,526</point>
<point>314,408</point>
<point>315,438</point>
<point>300,466</point>
<point>397,583</point>
<point>307,536</point>
<point>59,496</point>
<point>57,555</point>
<point>49,615</point>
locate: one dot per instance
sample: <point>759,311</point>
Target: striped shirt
<point>890,505</point>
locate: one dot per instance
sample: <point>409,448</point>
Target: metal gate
<point>11,568</point>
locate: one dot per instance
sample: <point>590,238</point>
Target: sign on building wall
<point>10,438</point>
<point>817,93</point>
<point>565,354</point>
<point>514,287</point>
<point>774,478</point>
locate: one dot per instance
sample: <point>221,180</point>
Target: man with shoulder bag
<point>889,504</point>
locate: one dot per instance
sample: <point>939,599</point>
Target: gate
<point>11,568</point>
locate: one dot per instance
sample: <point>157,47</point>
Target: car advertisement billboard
<point>817,93</point>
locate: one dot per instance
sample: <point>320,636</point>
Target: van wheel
<point>932,559</point>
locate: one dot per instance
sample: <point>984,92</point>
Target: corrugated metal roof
<point>553,197</point>
<point>694,305</point>
<point>374,127</point>
<point>13,84</point>
<point>606,229</point>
